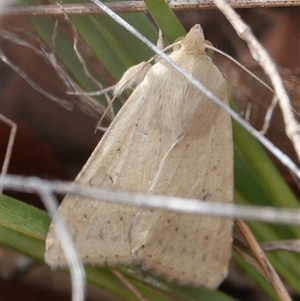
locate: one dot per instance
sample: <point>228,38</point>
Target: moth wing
<point>101,230</point>
<point>191,249</point>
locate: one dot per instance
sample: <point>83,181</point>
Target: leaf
<point>165,19</point>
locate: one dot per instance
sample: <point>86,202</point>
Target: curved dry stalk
<point>263,261</point>
<point>66,104</point>
<point>87,104</point>
<point>138,6</point>
<point>82,61</point>
<point>10,145</point>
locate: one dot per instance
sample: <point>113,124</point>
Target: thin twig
<point>66,104</point>
<point>10,145</point>
<point>95,93</point>
<point>248,258</point>
<point>292,245</point>
<point>74,262</point>
<point>87,104</point>
<point>259,213</point>
<point>82,61</point>
<point>129,285</point>
<point>268,116</point>
<point>263,261</point>
<point>138,6</point>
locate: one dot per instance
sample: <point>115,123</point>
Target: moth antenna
<point>240,65</point>
<point>272,106</point>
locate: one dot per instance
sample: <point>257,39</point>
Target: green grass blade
<point>263,169</point>
<point>165,19</point>
<point>23,218</point>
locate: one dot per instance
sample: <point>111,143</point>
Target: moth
<point>168,139</point>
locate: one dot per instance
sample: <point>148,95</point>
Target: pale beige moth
<point>168,139</point>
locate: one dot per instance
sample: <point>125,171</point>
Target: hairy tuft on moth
<point>168,139</point>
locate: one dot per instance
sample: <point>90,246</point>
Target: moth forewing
<point>190,249</point>
<point>168,139</point>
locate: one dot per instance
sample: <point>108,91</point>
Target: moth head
<point>194,40</point>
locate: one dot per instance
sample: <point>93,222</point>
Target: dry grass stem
<point>10,145</point>
<point>138,6</point>
<point>292,245</point>
<point>263,261</point>
<point>129,285</point>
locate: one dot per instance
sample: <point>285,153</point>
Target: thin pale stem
<point>137,6</point>
<point>176,204</point>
